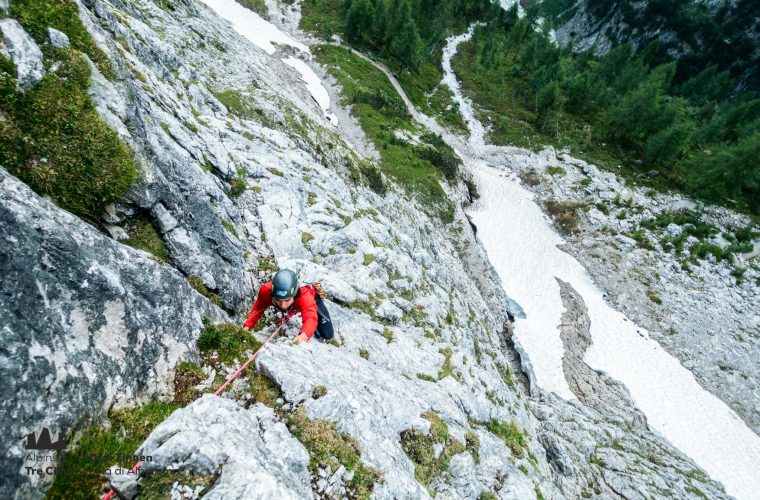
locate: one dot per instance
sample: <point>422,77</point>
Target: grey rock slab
<point>123,482</point>
<point>87,323</point>
<point>255,454</point>
<point>24,52</point>
<point>166,222</point>
<point>59,39</point>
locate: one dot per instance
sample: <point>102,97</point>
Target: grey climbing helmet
<point>284,284</point>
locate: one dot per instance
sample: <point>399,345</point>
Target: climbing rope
<point>282,321</point>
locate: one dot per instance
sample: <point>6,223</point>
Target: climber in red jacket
<point>287,297</point>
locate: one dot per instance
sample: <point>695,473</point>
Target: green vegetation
<point>327,446</point>
<point>555,170</point>
<point>388,334</point>
<point>115,443</point>
<point>617,109</point>
<point>262,388</point>
<point>363,306</point>
<point>369,258</point>
<point>510,434</point>
<point>186,377</point>
<point>238,103</point>
<point>318,391</point>
<point>200,287</point>
<point>539,495</point>
<point>472,443</point>
<point>53,139</point>
<point>230,227</point>
<point>446,368</point>
<point>238,186</point>
<point>426,377</point>
<point>382,113</point>
<point>306,238</point>
<point>37,15</point>
<point>226,341</point>
<point>257,6</point>
<point>420,447</point>
<point>364,353</point>
<point>143,235</point>
<point>267,264</point>
<point>563,213</point>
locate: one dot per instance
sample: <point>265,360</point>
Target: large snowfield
<point>522,246</point>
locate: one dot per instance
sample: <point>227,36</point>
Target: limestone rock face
<point>22,50</point>
<point>255,454</point>
<point>419,312</point>
<point>86,322</point>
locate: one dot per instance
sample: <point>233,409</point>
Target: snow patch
<point>314,85</point>
<point>253,27</point>
<point>523,248</point>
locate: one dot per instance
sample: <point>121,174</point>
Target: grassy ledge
<point>143,235</point>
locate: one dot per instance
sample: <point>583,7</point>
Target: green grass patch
<point>238,103</point>
<point>426,377</point>
<point>447,368</point>
<point>263,389</point>
<point>37,15</point>
<point>186,377</point>
<point>143,235</point>
<point>306,238</point>
<point>472,444</point>
<point>226,341</point>
<point>238,186</point>
<point>327,446</point>
<point>52,138</point>
<point>100,447</point>
<point>388,334</point>
<point>200,287</point>
<point>230,227</point>
<point>510,434</point>
<point>556,170</point>
<point>267,264</point>
<point>364,353</point>
<point>420,447</point>
<point>369,258</point>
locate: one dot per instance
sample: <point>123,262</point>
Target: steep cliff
<point>243,170</point>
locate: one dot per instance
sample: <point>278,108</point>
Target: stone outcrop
<point>87,323</point>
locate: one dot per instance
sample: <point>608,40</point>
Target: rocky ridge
<point>418,310</point>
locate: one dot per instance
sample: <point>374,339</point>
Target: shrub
<point>238,187</point>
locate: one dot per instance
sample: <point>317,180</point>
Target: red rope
<point>112,493</point>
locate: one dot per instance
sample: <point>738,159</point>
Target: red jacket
<point>304,303</point>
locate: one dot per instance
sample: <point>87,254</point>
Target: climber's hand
<point>301,339</point>
<point>247,329</point>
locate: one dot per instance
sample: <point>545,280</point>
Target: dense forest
<point>689,121</point>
